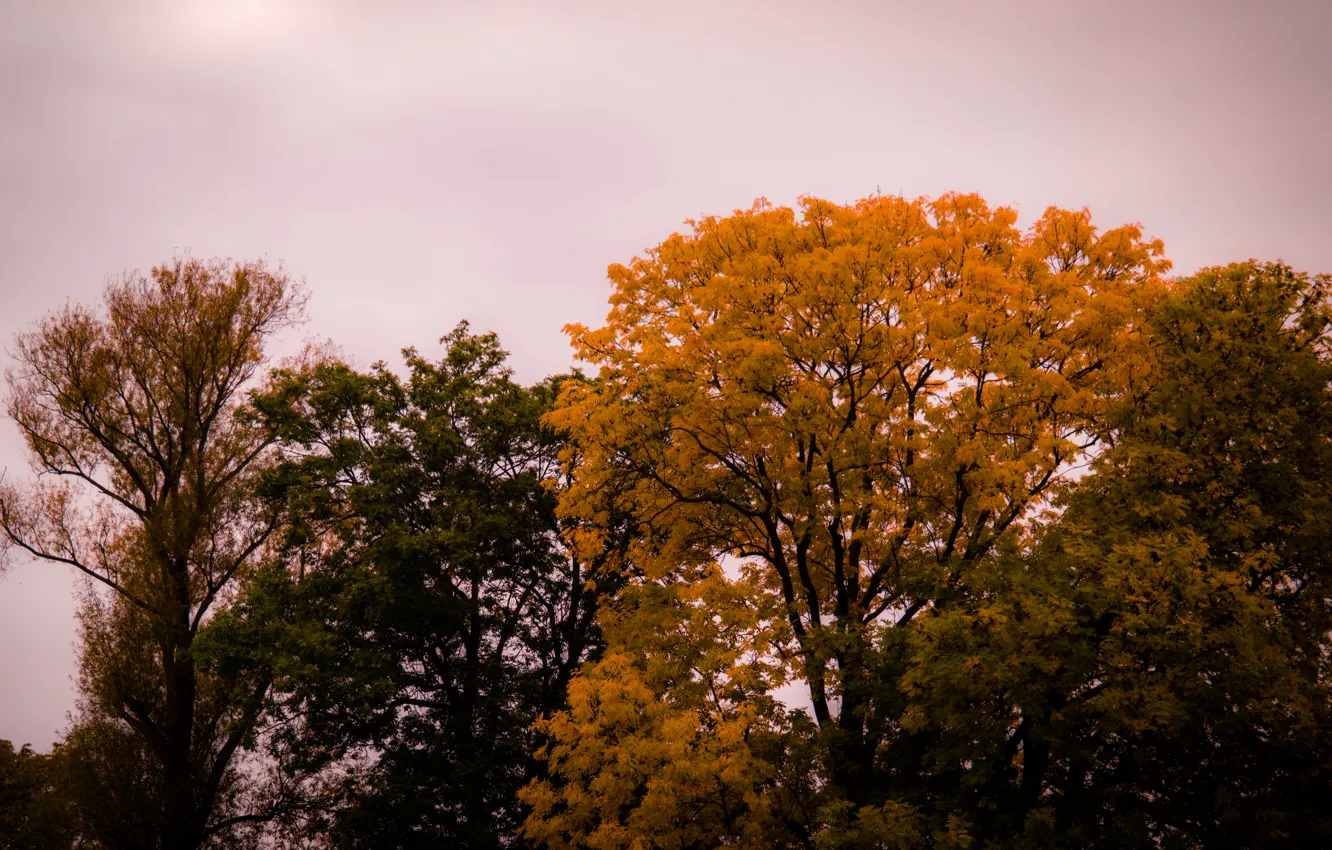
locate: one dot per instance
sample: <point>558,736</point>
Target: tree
<point>1159,657</point>
<point>35,814</point>
<point>132,421</point>
<point>438,613</point>
<point>674,733</point>
<point>857,408</point>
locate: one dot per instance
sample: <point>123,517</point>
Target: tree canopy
<point>132,418</point>
<point>880,525</point>
<point>437,613</point>
<point>898,433</point>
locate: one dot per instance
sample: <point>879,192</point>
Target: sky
<point>420,163</point>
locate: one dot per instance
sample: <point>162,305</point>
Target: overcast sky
<point>427,162</point>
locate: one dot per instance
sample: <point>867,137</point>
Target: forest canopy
<point>880,525</point>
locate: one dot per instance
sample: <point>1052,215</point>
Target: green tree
<point>35,810</point>
<point>1158,659</point>
<point>146,488</point>
<point>438,613</point>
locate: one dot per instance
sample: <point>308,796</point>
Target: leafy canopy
<point>434,612</point>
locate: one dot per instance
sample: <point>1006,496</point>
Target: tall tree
<point>858,406</point>
<point>146,483</point>
<point>1159,657</point>
<point>439,613</point>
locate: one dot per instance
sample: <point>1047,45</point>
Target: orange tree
<point>855,408</point>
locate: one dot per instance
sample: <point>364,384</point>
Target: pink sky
<point>432,161</point>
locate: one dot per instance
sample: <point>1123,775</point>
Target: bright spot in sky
<point>235,23</point>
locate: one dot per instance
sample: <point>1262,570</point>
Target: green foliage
<point>35,813</point>
<point>1153,668</point>
<point>1042,540</point>
<point>435,614</point>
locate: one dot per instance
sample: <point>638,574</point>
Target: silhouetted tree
<point>147,474</point>
<point>438,613</point>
